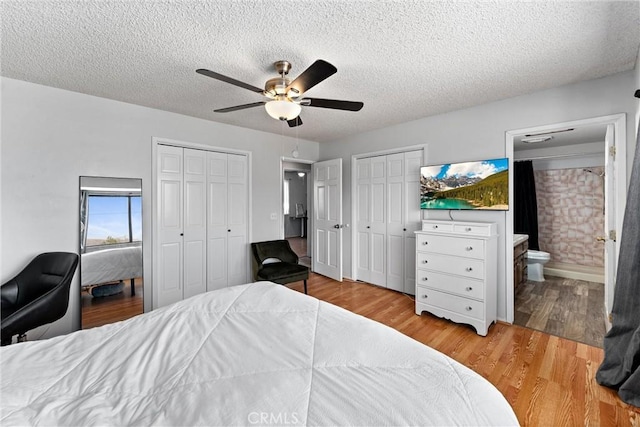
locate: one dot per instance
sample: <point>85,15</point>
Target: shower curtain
<point>621,366</point>
<point>526,207</point>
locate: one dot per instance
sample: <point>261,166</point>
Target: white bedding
<point>109,265</point>
<point>256,354</point>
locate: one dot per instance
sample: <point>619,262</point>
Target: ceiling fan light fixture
<point>283,109</point>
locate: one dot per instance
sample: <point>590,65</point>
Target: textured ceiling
<point>404,59</point>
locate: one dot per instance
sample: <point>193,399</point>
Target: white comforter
<point>257,354</point>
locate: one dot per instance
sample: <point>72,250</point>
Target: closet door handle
<point>228,231</point>
<point>368,226</point>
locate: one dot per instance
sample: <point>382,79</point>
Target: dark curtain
<point>525,205</point>
<point>621,366</point>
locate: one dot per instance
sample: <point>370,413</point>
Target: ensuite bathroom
<point>559,216</point>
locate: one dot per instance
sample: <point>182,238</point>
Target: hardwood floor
<point>567,308</point>
<point>548,380</point>
<point>110,309</point>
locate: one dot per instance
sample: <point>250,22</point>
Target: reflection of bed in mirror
<point>110,250</point>
<point>110,265</point>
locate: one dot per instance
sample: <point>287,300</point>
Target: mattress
<point>255,354</point>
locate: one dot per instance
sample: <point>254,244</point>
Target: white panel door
<point>413,216</point>
<point>237,214</point>
<point>217,234</point>
<point>378,214</point>
<point>327,212</point>
<point>396,213</point>
<point>195,223</point>
<point>610,255</point>
<point>169,283</point>
<point>363,219</point>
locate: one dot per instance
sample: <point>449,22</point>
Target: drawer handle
<point>469,269</point>
<point>468,229</point>
<point>425,243</point>
<point>425,262</point>
<point>424,279</point>
<point>469,248</point>
<point>435,226</point>
<point>425,296</point>
<point>468,308</point>
<point>468,289</point>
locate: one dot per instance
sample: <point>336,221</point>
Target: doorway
<point>296,207</point>
<point>576,166</point>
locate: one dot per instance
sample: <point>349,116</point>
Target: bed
<point>255,354</point>
<point>111,265</point>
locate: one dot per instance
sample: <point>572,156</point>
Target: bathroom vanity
<point>456,271</point>
<point>520,247</point>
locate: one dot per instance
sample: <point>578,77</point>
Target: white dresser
<point>456,271</point>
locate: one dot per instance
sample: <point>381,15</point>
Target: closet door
<point>396,208</point>
<point>403,219</point>
<point>413,216</point>
<point>237,214</point>
<point>217,213</point>
<point>195,223</point>
<point>371,205</point>
<point>169,284</point>
<point>363,217</point>
<point>227,212</point>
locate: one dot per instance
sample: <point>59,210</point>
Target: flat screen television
<point>482,184</point>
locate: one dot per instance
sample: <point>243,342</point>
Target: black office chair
<point>38,295</point>
<point>285,270</point>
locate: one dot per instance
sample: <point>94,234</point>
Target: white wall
<point>479,132</point>
<point>51,137</point>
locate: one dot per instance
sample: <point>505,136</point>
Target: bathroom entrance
<point>574,167</point>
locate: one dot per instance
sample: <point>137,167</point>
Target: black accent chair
<point>287,270</point>
<point>38,295</point>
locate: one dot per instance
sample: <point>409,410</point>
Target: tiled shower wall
<point>571,215</point>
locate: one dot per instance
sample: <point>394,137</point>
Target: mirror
<point>111,279</point>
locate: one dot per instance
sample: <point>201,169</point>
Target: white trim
<point>155,141</point>
<point>294,160</point>
<point>354,158</point>
<point>620,138</point>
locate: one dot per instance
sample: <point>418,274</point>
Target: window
<point>113,219</point>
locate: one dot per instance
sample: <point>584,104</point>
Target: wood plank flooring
<point>567,308</point>
<point>548,380</point>
<point>103,310</point>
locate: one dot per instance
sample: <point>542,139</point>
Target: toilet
<point>535,264</point>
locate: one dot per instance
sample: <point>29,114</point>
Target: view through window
<point>114,219</point>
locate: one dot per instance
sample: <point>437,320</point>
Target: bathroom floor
<point>568,308</point>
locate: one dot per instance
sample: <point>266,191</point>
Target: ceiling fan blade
<point>317,72</point>
<point>229,80</point>
<point>294,122</point>
<point>239,107</point>
<point>333,104</point>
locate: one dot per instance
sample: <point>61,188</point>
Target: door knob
<point>336,226</point>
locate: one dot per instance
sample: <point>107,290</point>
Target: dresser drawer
<point>471,288</point>
<point>466,307</point>
<point>437,226</point>
<point>452,265</point>
<point>473,229</point>
<point>457,246</point>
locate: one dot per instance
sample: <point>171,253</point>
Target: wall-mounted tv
<point>481,184</point>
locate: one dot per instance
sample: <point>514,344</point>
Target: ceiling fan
<point>285,96</point>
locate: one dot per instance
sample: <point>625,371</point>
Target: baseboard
<point>576,272</point>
